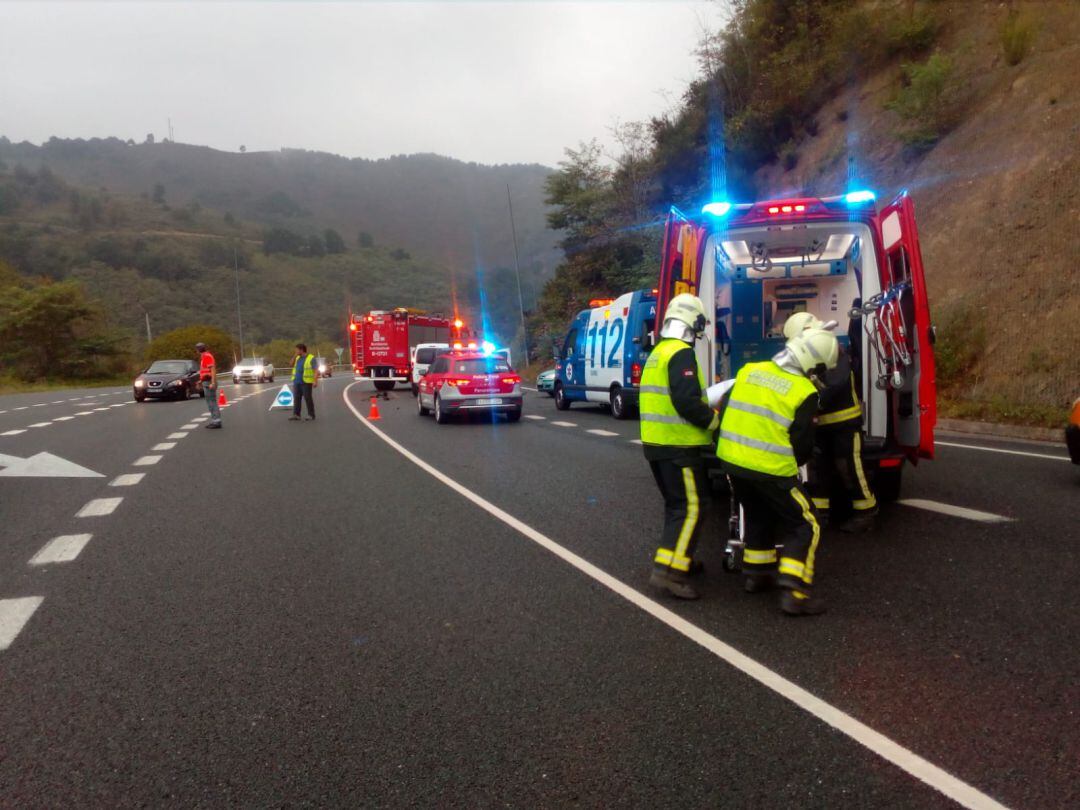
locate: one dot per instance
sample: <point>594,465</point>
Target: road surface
<point>326,614</point>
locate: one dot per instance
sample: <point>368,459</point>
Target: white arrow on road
<point>43,465</point>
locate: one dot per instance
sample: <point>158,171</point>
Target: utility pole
<point>149,337</point>
<point>517,271</point>
<point>239,320</point>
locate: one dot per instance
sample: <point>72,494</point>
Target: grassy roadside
<point>13,385</point>
<point>1002,412</point>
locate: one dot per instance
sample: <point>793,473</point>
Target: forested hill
<point>441,209</point>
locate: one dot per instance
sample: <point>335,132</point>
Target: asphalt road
<point>285,613</point>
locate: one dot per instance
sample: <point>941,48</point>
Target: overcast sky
<point>493,82</point>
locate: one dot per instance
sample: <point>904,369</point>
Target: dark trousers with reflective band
<point>682,483</point>
<point>778,510</point>
<point>838,460</point>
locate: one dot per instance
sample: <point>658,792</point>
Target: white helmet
<point>801,321</point>
<point>689,310</point>
<point>814,347</point>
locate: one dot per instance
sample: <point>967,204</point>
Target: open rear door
<point>914,404</point>
<point>679,270</point>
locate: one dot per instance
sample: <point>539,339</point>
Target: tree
<point>333,240</point>
<point>149,137</point>
<point>365,240</point>
<point>159,193</point>
<point>179,344</point>
<point>282,240</point>
<point>314,246</point>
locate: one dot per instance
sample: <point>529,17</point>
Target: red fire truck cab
<point>839,258</point>
<point>380,342</point>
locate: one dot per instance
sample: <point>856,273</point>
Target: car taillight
<point>458,383</point>
<point>635,373</point>
<point>511,380</point>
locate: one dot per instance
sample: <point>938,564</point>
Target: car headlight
<point>139,383</point>
<point>322,369</point>
<point>176,382</point>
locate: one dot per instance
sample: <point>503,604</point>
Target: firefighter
<point>676,429</point>
<point>766,433</point>
<point>837,439</point>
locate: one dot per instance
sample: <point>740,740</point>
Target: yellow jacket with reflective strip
<point>309,368</point>
<point>661,424</point>
<point>754,433</point>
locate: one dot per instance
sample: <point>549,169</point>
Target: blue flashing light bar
<point>856,197</point>
<point>488,347</point>
<point>717,209</point>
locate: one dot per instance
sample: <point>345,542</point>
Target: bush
<point>923,101</point>
<point>961,344</point>
<point>910,34</point>
<point>1017,34</point>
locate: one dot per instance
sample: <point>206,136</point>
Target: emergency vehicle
<point>380,342</point>
<point>604,351</point>
<point>839,258</point>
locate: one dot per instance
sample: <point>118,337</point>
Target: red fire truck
<point>380,341</point>
<point>840,258</point>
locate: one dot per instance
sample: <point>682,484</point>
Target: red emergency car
<point>464,381</point>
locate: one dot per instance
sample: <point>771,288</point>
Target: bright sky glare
<point>491,82</point>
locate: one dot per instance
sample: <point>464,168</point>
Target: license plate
<point>489,401</point>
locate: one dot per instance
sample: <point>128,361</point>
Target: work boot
<point>859,522</point>
<point>294,418</point>
<point>759,581</point>
<point>213,425</point>
<point>674,584</point>
<point>309,418</point>
<point>798,603</point>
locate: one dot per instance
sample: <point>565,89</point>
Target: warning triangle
<point>283,399</point>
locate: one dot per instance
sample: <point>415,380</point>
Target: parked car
<point>253,369</point>
<point>469,382</point>
<point>324,367</point>
<point>168,379</point>
<point>545,382</point>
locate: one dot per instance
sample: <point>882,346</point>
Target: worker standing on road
<point>766,433</point>
<point>837,438</point>
<point>304,382</point>
<point>676,428</point>
<point>208,378</point>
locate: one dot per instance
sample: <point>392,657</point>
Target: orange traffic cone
<point>373,413</point>
<point>221,399</point>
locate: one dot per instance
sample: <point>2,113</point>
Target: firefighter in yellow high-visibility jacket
<point>676,432</point>
<point>766,434</point>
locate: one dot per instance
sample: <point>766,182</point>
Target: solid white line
<point>1002,450</point>
<point>64,548</point>
<point>14,614</point>
<point>13,432</point>
<point>599,432</point>
<point>923,770</point>
<point>146,461</point>
<point>188,427</point>
<point>176,436</point>
<point>127,480</point>
<point>63,418</point>
<point>41,424</point>
<point>164,446</point>
<point>565,424</point>
<point>955,511</point>
<point>534,416</point>
<point>99,507</point>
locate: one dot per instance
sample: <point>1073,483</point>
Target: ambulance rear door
<point>914,404</point>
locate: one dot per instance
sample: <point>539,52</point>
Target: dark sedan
<point>173,379</point>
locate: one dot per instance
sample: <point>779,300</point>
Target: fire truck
<point>840,258</point>
<point>380,341</point>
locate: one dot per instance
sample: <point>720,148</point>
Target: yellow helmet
<point>814,347</point>
<point>687,309</point>
<point>799,323</point>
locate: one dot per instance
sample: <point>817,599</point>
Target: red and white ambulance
<point>840,258</point>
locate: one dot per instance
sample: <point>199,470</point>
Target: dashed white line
<point>14,614</point>
<point>200,418</point>
<point>63,418</point>
<point>21,408</point>
<point>636,441</point>
<point>41,424</point>
<point>146,461</point>
<point>534,416</point>
<point>1001,450</point>
<point>57,402</point>
<point>99,507</point>
<point>64,548</point>
<point>74,399</point>
<point>565,424</point>
<point>127,480</point>
<point>101,409</point>
<point>176,436</point>
<point>41,404</point>
<point>118,405</point>
<point>84,413</point>
<point>164,446</point>
<point>188,427</point>
<point>955,511</point>
<point>13,432</point>
<point>599,432</point>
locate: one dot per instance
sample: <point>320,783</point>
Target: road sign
<point>339,351</point>
<point>283,399</point>
<point>43,465</point>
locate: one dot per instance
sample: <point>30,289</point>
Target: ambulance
<point>840,258</point>
<point>604,351</point>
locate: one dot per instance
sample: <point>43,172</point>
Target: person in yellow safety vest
<point>837,458</point>
<point>766,433</point>
<point>676,431</point>
<point>305,380</point>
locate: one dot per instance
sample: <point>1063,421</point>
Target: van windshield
<point>248,361</point>
<point>492,365</point>
<point>426,355</point>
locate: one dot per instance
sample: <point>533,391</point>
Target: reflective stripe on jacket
<point>754,433</point>
<point>661,424</point>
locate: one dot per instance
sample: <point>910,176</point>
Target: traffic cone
<point>373,413</point>
<point>221,399</point>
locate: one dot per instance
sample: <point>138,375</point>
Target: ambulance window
<point>571,344</point>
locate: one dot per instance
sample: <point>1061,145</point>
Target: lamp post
<point>517,272</point>
<point>239,320</point>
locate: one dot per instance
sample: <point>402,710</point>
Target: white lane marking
<point>84,413</point>
<point>3,411</point>
<point>599,432</point>
<point>99,507</point>
<point>636,441</point>
<point>63,418</point>
<point>118,405</point>
<point>955,511</point>
<point>41,404</point>
<point>21,408</point>
<point>188,427</point>
<point>14,614</point>
<point>57,402</point>
<point>127,480</point>
<point>176,436</point>
<point>534,416</point>
<point>1001,450</point>
<point>13,432</point>
<point>74,399</point>
<point>528,389</point>
<point>64,548</point>
<point>41,424</point>
<point>200,418</point>
<point>164,446</point>
<point>922,769</point>
<point>101,409</point>
<point>565,424</point>
<point>146,461</point>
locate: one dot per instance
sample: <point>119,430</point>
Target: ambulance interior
<point>763,275</point>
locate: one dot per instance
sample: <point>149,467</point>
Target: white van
<point>422,356</point>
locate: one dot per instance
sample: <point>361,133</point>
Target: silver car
<point>253,369</point>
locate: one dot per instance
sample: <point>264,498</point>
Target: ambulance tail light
<point>635,374</point>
